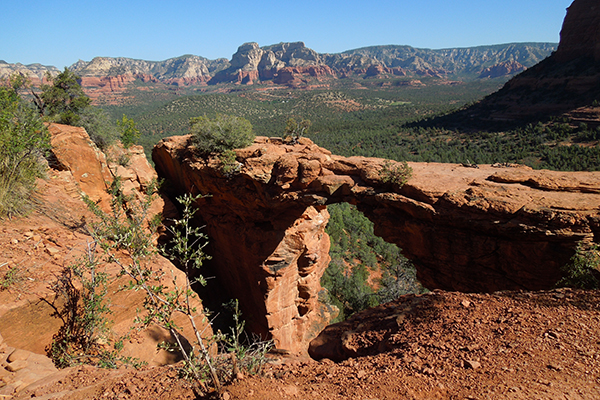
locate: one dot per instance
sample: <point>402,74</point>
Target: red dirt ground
<point>440,345</point>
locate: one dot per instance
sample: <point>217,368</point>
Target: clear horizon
<point>59,33</point>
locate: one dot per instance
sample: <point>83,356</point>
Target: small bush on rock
<point>583,270</point>
<point>222,133</point>
<point>395,173</point>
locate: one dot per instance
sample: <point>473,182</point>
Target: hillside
<point>467,63</point>
<point>566,83</point>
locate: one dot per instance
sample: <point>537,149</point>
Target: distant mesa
<point>503,69</point>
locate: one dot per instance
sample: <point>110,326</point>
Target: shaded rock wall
<point>580,33</point>
<point>466,229</point>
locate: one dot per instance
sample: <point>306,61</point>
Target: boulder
<point>74,151</point>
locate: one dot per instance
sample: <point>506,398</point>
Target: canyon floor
<point>440,345</point>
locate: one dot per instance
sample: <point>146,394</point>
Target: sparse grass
<point>10,277</point>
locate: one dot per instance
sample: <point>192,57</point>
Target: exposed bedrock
<point>466,229</point>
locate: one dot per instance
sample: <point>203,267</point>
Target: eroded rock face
<point>580,34</point>
<point>93,171</point>
<point>74,151</point>
<point>466,229</point>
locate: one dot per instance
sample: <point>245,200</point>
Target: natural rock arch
<point>466,229</point>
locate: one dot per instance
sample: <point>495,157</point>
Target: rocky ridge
<point>293,65</point>
<point>468,229</point>
<point>35,72</point>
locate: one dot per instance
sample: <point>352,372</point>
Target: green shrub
<point>99,127</point>
<point>130,134</point>
<point>229,165</point>
<point>23,143</point>
<point>395,173</point>
<point>63,100</point>
<point>583,270</point>
<point>222,133</point>
<point>83,310</point>
<point>297,128</point>
<point>10,277</point>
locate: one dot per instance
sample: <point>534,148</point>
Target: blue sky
<point>61,32</point>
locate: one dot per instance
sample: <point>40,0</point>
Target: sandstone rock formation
<point>466,229</point>
<point>282,63</point>
<point>73,151</point>
<point>20,368</point>
<point>580,34</point>
<point>53,237</point>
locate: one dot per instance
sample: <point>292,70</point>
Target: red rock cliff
<point>580,34</point>
<point>565,81</point>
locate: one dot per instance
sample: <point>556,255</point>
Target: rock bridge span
<point>465,229</point>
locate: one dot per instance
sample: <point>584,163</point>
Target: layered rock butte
<point>287,65</point>
<point>466,229</point>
